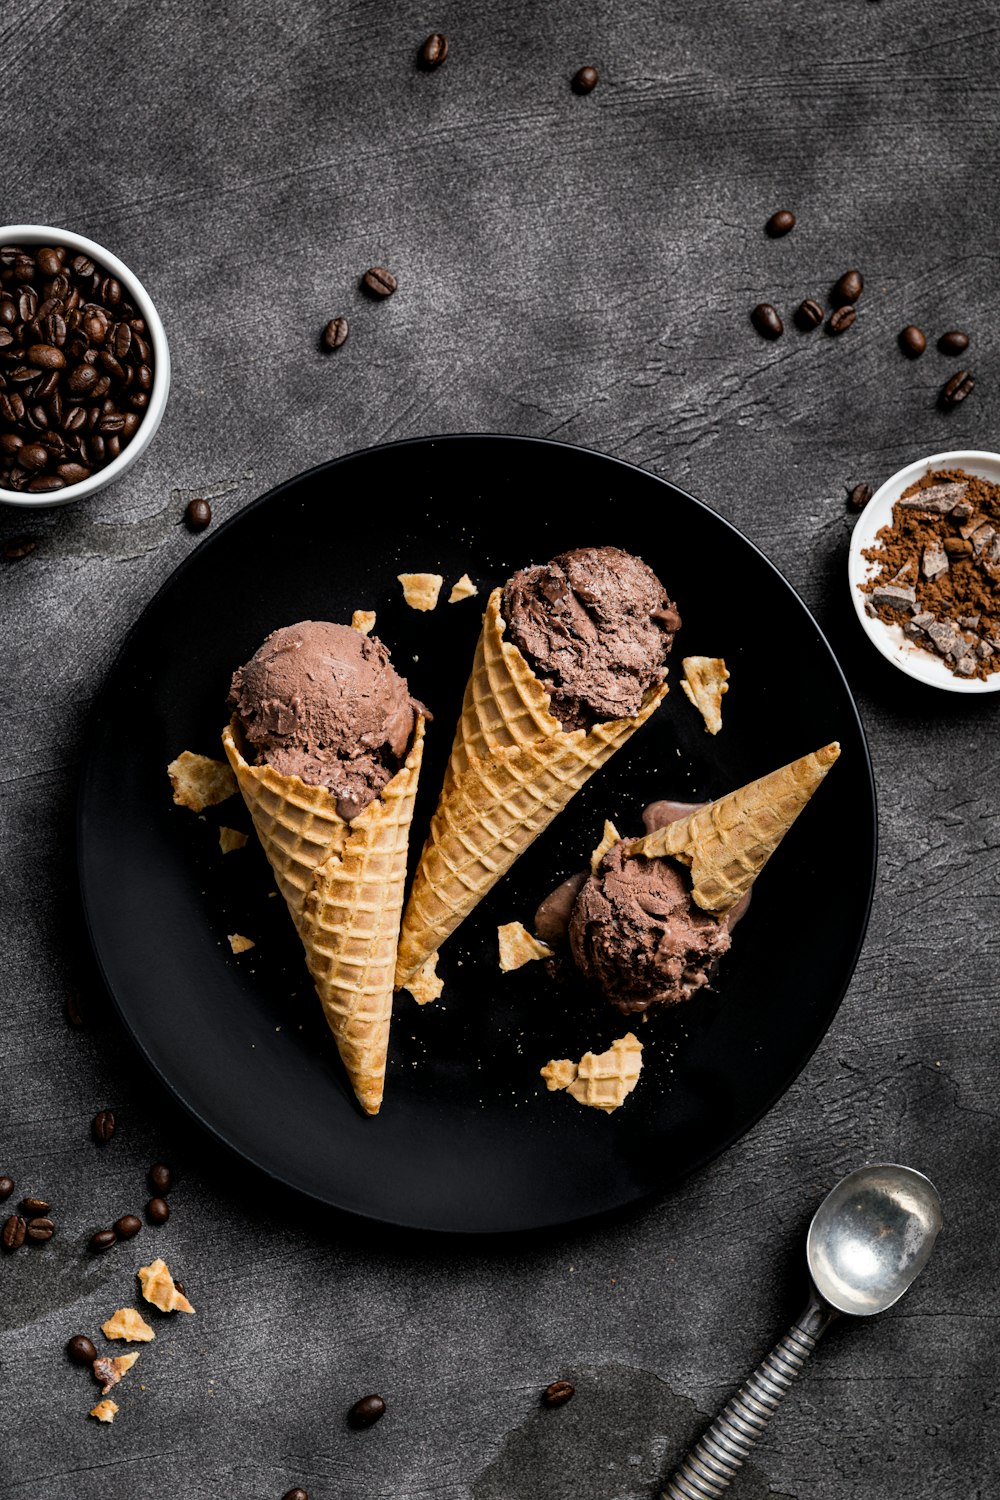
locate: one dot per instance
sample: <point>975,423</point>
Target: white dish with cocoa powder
<point>46,234</point>
<point>889,639</point>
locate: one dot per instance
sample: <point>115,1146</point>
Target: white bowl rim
<point>48,234</point>
<point>889,640</point>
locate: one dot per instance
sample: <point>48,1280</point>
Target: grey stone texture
<point>580,268</point>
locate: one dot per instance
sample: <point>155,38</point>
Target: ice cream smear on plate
<point>323,702</point>
<point>649,924</point>
<point>570,663</point>
<point>326,744</point>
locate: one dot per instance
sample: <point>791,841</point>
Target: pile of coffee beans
<point>76,368</point>
<point>31,1223</point>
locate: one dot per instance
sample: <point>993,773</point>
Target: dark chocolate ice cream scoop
<point>323,702</point>
<point>595,625</point>
<point>635,931</point>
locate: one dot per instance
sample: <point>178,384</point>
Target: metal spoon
<point>869,1239</point>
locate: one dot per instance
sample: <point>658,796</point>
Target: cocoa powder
<point>938,573</point>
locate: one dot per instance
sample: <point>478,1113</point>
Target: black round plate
<point>468,1138</point>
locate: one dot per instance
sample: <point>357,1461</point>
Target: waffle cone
<point>343,885</point>
<point>728,843</point>
<point>512,769</point>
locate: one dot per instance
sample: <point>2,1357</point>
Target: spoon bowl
<point>871,1236</point>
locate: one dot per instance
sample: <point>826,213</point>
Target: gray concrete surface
<point>580,268</point>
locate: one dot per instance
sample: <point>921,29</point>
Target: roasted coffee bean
<point>912,341</point>
<point>379,281</point>
<point>140,400</point>
<point>96,450</point>
<point>113,445</point>
<point>860,496</point>
<point>585,80</point>
<point>82,380</point>
<point>48,385</point>
<point>7,1185</point>
<point>81,1349</point>
<point>434,51</point>
<point>132,420</point>
<point>558,1393</point>
<point>83,265</point>
<point>766,321</point>
<point>101,387</point>
<point>74,1015</point>
<point>48,260</point>
<point>366,1412</point>
<point>103,1239</point>
<point>33,1206</point>
<point>33,456</point>
<point>46,356</point>
<point>809,313</point>
<point>123,340</point>
<point>74,418</point>
<point>160,1178</point>
<point>297,1493</point>
<point>198,515</point>
<point>848,288</point>
<point>335,333</point>
<point>46,483</point>
<point>24,268</point>
<point>73,473</point>
<point>954,342</point>
<point>40,1229</point>
<point>111,291</point>
<point>103,1126</point>
<point>11,406</point>
<point>957,546</point>
<point>841,319</point>
<point>10,442</point>
<point>18,547</point>
<point>157,1210</point>
<point>14,1231</point>
<point>127,1227</point>
<point>957,388</point>
<point>22,374</point>
<point>110,365</point>
<point>783,222</point>
<point>27,304</point>
<point>113,422</point>
<point>6,338</point>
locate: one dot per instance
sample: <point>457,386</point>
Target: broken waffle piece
<point>363,620</point>
<point>609,838</point>
<point>239,943</point>
<point>601,1080</point>
<point>158,1288</point>
<point>463,589</point>
<point>128,1324</point>
<point>104,1411</point>
<point>425,985</point>
<point>108,1371</point>
<point>421,590</point>
<point>518,947</point>
<point>230,839</point>
<point>706,678</point>
<point>199,782</point>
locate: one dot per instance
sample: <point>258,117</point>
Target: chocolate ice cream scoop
<point>595,626</point>
<point>635,931</point>
<point>323,702</point>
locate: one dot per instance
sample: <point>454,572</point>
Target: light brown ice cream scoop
<point>323,702</point>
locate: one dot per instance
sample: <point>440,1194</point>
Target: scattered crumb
<point>463,589</point>
<point>609,838</point>
<point>706,679</point>
<point>159,1289</point>
<point>363,620</point>
<point>600,1080</point>
<point>239,943</point>
<point>108,1372</point>
<point>199,782</point>
<point>104,1411</point>
<point>128,1324</point>
<point>518,947</point>
<point>425,985</point>
<point>230,839</point>
<point>420,590</point>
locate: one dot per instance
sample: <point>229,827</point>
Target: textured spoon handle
<point>712,1464</point>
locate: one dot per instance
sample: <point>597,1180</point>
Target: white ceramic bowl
<point>889,639</point>
<point>44,234</point>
